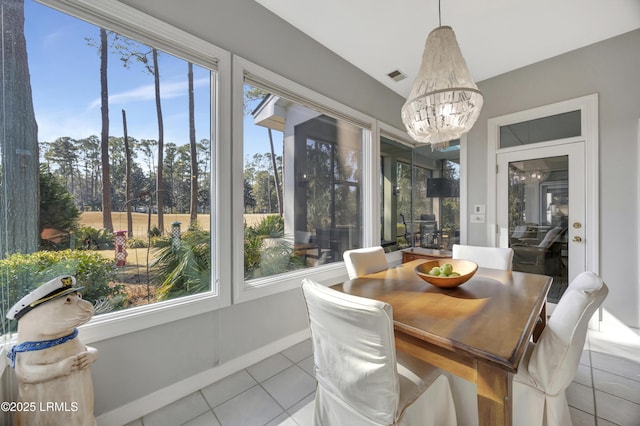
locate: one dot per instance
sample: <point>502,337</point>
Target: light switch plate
<point>477,218</point>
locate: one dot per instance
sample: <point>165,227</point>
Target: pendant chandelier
<point>444,102</point>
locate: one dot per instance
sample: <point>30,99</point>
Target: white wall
<point>610,69</point>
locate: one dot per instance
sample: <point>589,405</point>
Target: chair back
<point>555,359</point>
<point>354,350</point>
<point>550,237</point>
<point>405,234</point>
<point>302,236</point>
<point>485,257</point>
<point>364,261</point>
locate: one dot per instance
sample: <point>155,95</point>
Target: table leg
<point>494,395</point>
<point>541,324</point>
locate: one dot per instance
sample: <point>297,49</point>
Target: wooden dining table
<point>477,331</point>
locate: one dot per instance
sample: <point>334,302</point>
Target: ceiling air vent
<point>397,75</point>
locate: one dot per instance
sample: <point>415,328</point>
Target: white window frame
<point>326,274</point>
<point>397,135</point>
<point>588,106</point>
<point>125,20</point>
<point>403,137</point>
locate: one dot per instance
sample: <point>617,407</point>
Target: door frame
<point>576,180</point>
<point>588,105</point>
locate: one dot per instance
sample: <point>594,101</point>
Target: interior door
<point>541,211</point>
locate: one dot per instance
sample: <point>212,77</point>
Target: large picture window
<point>302,185</point>
<point>106,170</point>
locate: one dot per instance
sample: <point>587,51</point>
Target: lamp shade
<point>444,102</point>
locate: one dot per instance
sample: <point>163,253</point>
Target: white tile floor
<point>280,389</point>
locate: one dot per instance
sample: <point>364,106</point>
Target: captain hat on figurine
<point>57,287</point>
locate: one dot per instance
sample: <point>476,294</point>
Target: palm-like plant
<point>265,252</point>
<point>185,269</point>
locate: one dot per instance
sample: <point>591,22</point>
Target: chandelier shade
<point>444,102</point>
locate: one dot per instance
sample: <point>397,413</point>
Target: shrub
<point>270,226</point>
<point>184,270</point>
<point>265,252</point>
<point>275,257</point>
<point>22,273</point>
<point>90,238</point>
<point>137,243</point>
<point>57,205</point>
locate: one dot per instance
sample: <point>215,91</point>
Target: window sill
<point>115,324</point>
<point>254,289</point>
<point>328,274</point>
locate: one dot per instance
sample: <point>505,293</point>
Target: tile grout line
<point>260,384</point>
<point>593,384</point>
<point>232,396</point>
<point>209,405</point>
<point>303,397</point>
<point>284,410</point>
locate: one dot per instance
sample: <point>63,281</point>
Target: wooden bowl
<point>465,268</point>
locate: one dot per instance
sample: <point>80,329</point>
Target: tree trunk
<point>275,174</point>
<point>127,183</point>
<point>104,142</point>
<point>159,186</point>
<point>19,166</point>
<point>193,209</point>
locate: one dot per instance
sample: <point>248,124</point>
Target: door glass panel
<point>553,127</point>
<point>538,218</point>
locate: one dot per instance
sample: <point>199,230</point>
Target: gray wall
<point>610,69</point>
<point>135,365</point>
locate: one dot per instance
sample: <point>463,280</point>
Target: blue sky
<point>65,81</point>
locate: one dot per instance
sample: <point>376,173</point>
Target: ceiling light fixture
<point>444,102</point>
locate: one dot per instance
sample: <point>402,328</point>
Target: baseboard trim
<point>156,400</point>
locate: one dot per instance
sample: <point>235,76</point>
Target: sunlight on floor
<point>614,333</point>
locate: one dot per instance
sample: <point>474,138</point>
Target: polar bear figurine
<point>51,363</point>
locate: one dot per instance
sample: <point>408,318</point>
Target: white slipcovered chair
<point>549,366</point>
<point>361,379</point>
<point>485,257</point>
<point>364,261</point>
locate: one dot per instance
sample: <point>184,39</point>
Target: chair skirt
<point>434,407</point>
<point>532,407</point>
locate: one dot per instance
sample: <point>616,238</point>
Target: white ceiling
<point>495,36</point>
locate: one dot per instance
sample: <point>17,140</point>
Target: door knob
<point>577,239</point>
